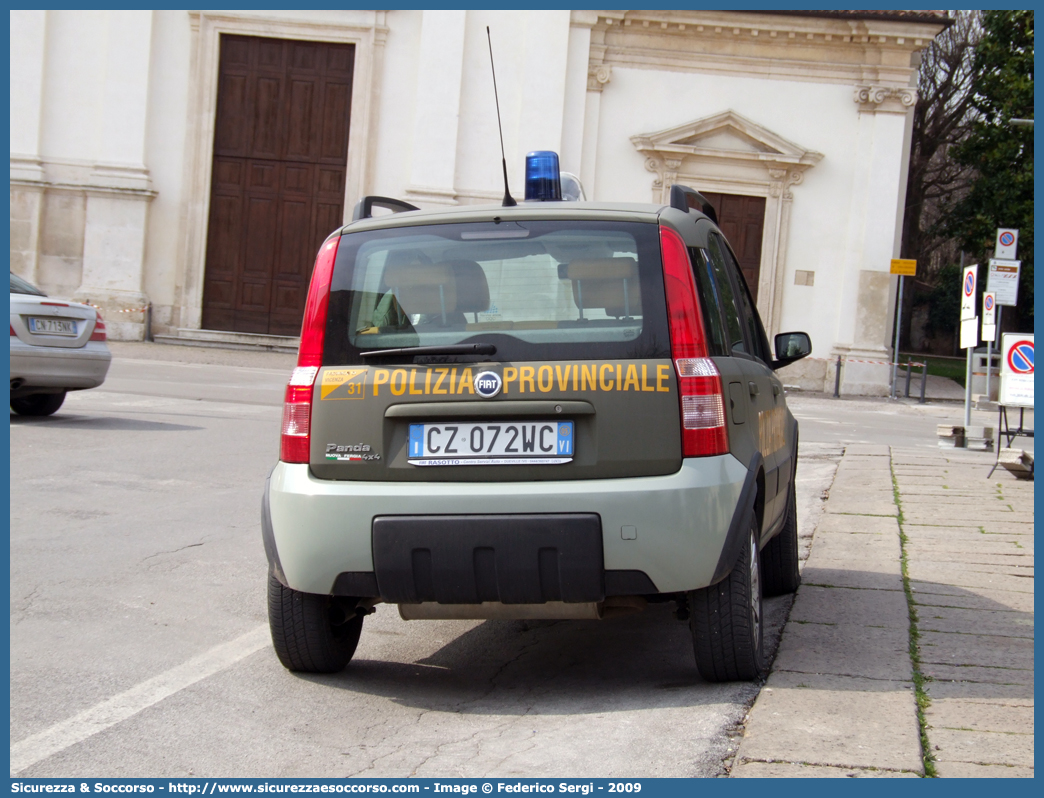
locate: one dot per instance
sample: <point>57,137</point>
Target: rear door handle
<point>753,388</point>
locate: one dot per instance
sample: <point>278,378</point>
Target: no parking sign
<point>1007,242</point>
<point>968,291</point>
<point>1016,387</point>
<point>989,317</point>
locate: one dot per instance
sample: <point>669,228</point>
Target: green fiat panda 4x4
<point>552,410</point>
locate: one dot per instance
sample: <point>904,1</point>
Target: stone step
<point>231,340</point>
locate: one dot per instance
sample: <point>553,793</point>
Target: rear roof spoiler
<point>683,198</point>
<point>364,207</point>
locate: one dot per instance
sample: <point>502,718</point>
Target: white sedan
<point>56,347</point>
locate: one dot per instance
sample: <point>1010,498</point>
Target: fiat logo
<point>488,384</point>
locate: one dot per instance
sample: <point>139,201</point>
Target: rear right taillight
<point>99,329</point>
<point>295,440</point>
<point>701,401</point>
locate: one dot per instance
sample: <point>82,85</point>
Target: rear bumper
<point>672,527</point>
<point>57,367</point>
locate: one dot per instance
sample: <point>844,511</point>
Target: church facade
<point>190,163</point>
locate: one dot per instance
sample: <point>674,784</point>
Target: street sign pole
<point>967,354</point>
<point>989,332</point>
<point>1000,312</point>
<point>967,387</point>
<point>898,328</point>
<point>989,362</point>
<point>903,267</point>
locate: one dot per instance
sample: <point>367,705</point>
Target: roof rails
<point>683,198</point>
<point>364,207</point>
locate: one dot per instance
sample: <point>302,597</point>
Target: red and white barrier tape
<point>122,310</point>
<point>871,362</point>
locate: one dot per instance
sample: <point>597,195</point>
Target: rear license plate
<point>52,326</point>
<point>491,443</point>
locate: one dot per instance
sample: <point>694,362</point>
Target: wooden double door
<point>278,178</point>
<point>742,220</point>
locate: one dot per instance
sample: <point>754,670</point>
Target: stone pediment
<point>727,135</point>
<point>730,154</point>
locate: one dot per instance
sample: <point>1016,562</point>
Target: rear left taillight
<point>702,401</point>
<point>99,329</point>
<point>297,407</point>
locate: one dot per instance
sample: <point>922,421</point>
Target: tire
<point>779,559</point>
<point>310,633</point>
<point>38,404</point>
<point>726,621</point>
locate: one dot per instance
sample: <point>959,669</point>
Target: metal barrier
<point>908,365</point>
<point>924,378</point>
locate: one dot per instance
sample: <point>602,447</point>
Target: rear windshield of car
<point>548,290</point>
<point>20,286</point>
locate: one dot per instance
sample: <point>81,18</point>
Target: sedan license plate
<point>52,326</point>
<point>491,443</point>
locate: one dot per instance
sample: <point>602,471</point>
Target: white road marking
<point>78,728</point>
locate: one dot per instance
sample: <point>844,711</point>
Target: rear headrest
<point>602,269</point>
<point>472,286</point>
<point>423,287</point>
<point>610,284</point>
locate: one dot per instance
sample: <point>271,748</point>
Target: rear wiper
<point>450,349</point>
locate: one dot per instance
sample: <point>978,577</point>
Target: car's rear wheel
<point>779,559</point>
<point>726,621</point>
<point>311,633</point>
<point>38,404</point>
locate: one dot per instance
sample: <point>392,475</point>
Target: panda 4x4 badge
<point>351,453</point>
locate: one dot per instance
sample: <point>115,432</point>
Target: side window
<point>729,307</point>
<point>710,303</point>
<point>749,313</point>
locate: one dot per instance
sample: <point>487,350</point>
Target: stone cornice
<point>429,195</point>
<point>820,49</point>
<point>88,189</point>
<point>583,19</point>
<point>339,21</point>
<point>126,181</point>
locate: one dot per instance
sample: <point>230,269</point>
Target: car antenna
<point>508,199</point>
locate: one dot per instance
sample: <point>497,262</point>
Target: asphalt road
<point>139,636</point>
<point>139,639</point>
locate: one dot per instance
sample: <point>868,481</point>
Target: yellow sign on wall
<point>907,268</point>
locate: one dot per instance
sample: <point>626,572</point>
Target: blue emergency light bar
<point>543,178</point>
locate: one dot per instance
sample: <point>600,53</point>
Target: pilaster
<point>28,50</point>
<point>872,240</point>
<point>437,108</point>
<point>118,189</point>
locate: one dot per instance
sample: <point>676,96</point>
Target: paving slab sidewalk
<point>867,645</point>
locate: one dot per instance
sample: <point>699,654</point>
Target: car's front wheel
<point>311,633</point>
<point>726,620</point>
<point>38,404</point>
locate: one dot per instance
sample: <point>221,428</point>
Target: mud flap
<point>741,521</point>
<point>268,535</point>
